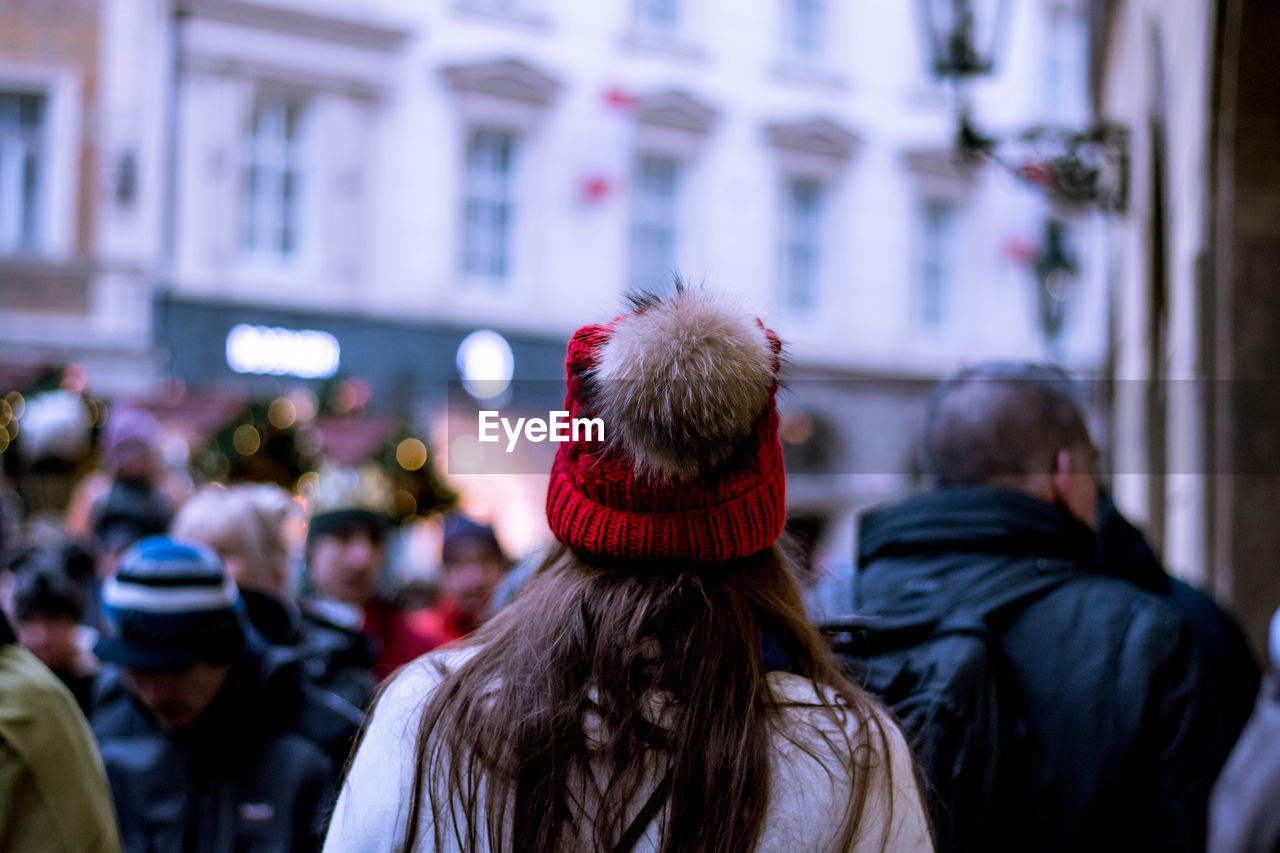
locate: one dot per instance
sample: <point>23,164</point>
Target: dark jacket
<point>336,659</point>
<point>339,659</point>
<point>1125,553</point>
<point>256,771</point>
<point>277,620</point>
<point>1111,675</point>
<point>351,662</point>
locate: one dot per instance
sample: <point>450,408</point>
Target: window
<point>805,19</point>
<point>802,244</point>
<point>937,268</point>
<point>1066,66</point>
<point>658,18</point>
<point>489,206</point>
<point>22,121</point>
<point>273,178</point>
<point>654,214</point>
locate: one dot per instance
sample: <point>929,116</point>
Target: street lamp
<point>963,35</point>
<point>1055,268</point>
<point>1087,166</point>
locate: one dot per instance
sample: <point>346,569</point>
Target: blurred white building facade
<point>519,165</point>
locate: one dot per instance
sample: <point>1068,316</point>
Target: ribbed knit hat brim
<point>691,468</point>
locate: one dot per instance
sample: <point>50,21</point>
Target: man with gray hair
<point>1126,732</point>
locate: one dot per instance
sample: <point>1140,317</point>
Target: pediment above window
<point>820,136</point>
<point>939,163</point>
<point>511,79</point>
<point>675,109</point>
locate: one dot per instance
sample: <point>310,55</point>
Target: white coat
<point>804,803</point>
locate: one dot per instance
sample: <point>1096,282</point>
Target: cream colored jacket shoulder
<point>804,803</point>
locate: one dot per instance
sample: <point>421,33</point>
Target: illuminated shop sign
<point>280,352</point>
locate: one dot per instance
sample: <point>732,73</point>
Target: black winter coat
<point>1126,554</point>
<point>338,659</point>
<point>1132,734</point>
<point>256,772</point>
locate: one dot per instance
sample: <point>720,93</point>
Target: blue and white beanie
<point>170,605</point>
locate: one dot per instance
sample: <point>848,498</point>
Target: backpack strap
<point>1001,598</point>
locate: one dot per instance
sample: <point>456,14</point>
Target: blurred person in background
<point>515,579</point>
<point>47,607</point>
<point>417,594</point>
<point>121,517</point>
<point>656,685</point>
<point>1126,723</point>
<point>351,623</point>
<point>53,791</point>
<point>245,525</point>
<point>1243,814</point>
<point>211,741</point>
<point>127,499</point>
<point>472,565</point>
<point>131,462</point>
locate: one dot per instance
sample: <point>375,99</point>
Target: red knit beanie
<point>690,467</point>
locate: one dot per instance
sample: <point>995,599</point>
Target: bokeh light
<point>246,440</point>
<point>411,454</point>
<point>282,413</point>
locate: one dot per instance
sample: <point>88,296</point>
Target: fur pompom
<point>682,382</point>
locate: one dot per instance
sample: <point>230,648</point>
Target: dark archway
<point>1240,295</point>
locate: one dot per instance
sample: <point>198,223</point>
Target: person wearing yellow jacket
<point>53,789</point>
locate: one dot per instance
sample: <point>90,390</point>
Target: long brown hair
<point>503,751</point>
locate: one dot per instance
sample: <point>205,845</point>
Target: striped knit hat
<point>690,467</point>
<point>170,605</point>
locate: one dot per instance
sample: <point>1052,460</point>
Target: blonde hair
<point>248,519</point>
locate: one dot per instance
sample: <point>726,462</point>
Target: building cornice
<point>306,20</point>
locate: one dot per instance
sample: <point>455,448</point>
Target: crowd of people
<point>224,663</point>
<point>231,667</point>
